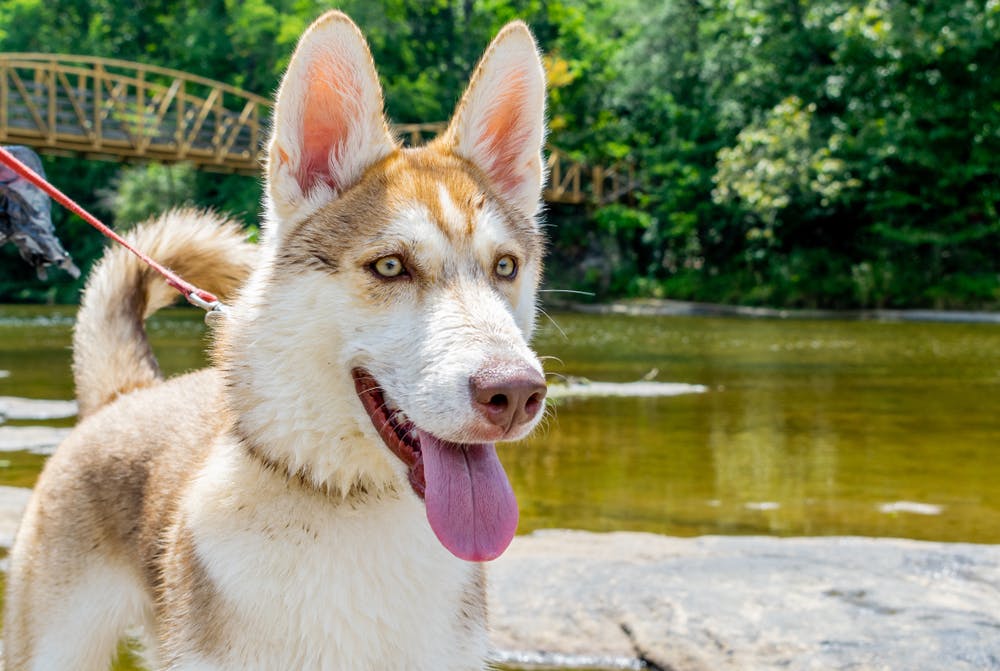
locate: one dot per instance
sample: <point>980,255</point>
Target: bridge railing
<point>575,181</point>
<point>416,134</point>
<point>570,180</point>
<point>102,106</point>
<point>108,108</point>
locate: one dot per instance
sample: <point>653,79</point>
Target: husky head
<point>382,345</point>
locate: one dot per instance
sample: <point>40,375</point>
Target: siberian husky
<point>322,497</point>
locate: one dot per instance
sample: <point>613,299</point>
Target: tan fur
<point>111,354</point>
<point>248,515</point>
<point>403,177</point>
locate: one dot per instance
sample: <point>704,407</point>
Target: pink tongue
<point>470,504</point>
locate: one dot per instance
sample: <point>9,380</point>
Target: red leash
<point>195,296</point>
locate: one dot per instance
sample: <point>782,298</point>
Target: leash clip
<point>215,311</point>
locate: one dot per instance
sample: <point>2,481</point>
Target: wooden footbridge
<point>110,109</point>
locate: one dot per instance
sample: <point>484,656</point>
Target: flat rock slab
<point>621,599</point>
<point>640,389</point>
<point>15,407</point>
<point>666,307</point>
<point>37,439</point>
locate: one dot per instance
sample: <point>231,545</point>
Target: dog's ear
<point>328,120</point>
<point>499,124</point>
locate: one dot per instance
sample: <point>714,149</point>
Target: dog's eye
<point>506,267</point>
<point>389,266</point>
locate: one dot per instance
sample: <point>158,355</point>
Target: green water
<point>808,427</point>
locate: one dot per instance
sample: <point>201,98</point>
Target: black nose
<point>508,395</point>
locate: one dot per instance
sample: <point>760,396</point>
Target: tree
<point>838,153</point>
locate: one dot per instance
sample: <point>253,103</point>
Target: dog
<point>323,496</point>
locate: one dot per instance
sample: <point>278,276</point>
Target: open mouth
<point>470,503</point>
<point>398,433</point>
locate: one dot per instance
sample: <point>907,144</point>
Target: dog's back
<point>84,564</point>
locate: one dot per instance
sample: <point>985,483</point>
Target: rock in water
<point>26,217</point>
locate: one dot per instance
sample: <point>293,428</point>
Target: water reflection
<point>808,428</point>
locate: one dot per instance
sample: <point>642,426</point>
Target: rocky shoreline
<point>571,599</point>
<point>666,307</point>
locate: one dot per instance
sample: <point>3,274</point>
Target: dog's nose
<point>508,395</point>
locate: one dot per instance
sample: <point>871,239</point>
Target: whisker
<point>549,357</point>
<point>558,375</point>
<point>567,291</point>
<point>385,424</point>
<point>388,415</point>
<point>558,328</point>
<point>548,418</point>
<point>377,386</point>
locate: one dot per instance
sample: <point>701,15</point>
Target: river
<point>803,427</point>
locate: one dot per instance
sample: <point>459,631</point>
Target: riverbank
<point>657,307</point>
<point>672,308</point>
<point>572,599</point>
<point>621,600</point>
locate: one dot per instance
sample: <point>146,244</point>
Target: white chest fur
<point>313,583</point>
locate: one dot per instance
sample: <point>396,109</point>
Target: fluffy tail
<point>111,353</point>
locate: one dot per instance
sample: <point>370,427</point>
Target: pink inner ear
<point>331,104</point>
<point>507,134</point>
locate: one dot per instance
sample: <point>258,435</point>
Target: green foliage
<point>813,153</point>
<point>141,192</point>
<point>777,161</point>
<point>835,153</point>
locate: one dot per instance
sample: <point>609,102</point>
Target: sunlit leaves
<point>779,159</point>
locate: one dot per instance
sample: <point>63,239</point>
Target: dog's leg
<point>75,620</point>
